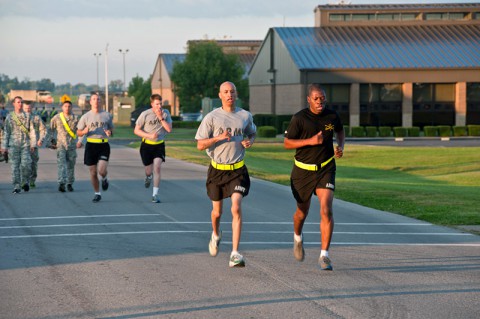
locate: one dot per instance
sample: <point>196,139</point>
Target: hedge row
<point>428,131</point>
<point>279,122</point>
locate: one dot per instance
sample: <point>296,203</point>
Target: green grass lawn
<point>438,185</point>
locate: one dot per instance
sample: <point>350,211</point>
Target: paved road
<point>61,256</point>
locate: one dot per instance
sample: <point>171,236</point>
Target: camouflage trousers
<point>21,160</point>
<point>35,158</point>
<point>66,159</point>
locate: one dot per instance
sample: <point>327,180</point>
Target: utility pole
<point>124,52</point>
<point>106,78</point>
<point>97,55</point>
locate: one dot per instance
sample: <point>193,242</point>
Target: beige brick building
<point>394,65</point>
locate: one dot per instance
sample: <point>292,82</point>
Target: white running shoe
<point>213,245</point>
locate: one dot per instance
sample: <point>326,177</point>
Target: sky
<point>57,39</point>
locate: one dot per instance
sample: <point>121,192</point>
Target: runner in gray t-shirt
<point>97,126</point>
<point>221,134</point>
<point>152,126</point>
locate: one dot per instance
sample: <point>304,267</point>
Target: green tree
<point>205,67</point>
<point>141,90</point>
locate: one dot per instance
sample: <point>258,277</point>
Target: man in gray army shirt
<point>63,127</point>
<point>19,141</point>
<point>97,126</point>
<point>221,134</point>
<point>152,126</point>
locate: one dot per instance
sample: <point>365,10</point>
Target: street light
<point>97,55</point>
<point>124,52</point>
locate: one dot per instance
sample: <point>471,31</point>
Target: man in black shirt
<point>311,133</point>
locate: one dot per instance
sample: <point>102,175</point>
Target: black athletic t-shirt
<point>305,124</point>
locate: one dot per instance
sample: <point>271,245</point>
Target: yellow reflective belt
<point>65,125</point>
<point>151,142</point>
<point>312,167</point>
<point>97,140</point>
<point>228,167</point>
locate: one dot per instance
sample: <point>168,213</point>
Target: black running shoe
<point>105,184</point>
<point>25,187</point>
<point>16,191</point>
<point>69,187</point>
<point>61,188</point>
<point>97,198</point>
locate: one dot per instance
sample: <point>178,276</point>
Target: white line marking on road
<point>195,231</point>
<point>105,234</point>
<point>83,216</point>
<point>357,244</point>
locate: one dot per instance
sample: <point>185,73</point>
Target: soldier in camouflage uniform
<point>1,136</point>
<point>41,133</point>
<point>18,141</point>
<point>63,132</point>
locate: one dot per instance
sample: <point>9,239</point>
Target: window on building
<point>445,93</point>
<point>422,92</point>
<point>388,16</point>
<point>473,104</point>
<point>436,16</point>
<point>457,16</point>
<point>409,16</point>
<point>473,93</point>
<point>339,93</point>
<point>362,17</point>
<point>381,104</point>
<point>445,16</point>
<point>433,104</point>
<point>338,99</point>
<point>339,17</point>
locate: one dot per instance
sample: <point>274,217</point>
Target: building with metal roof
<point>381,65</point>
<point>162,84</point>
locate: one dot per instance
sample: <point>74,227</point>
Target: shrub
<point>266,131</point>
<point>460,131</point>
<point>473,130</point>
<point>371,131</point>
<point>185,124</point>
<point>430,131</point>
<point>279,120</point>
<point>346,128</point>
<point>399,131</point>
<point>413,131</point>
<point>444,130</point>
<point>285,126</point>
<point>385,131</point>
<point>264,120</point>
<point>358,131</point>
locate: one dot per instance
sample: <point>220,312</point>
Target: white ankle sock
<point>324,253</point>
<point>155,191</point>
<point>297,237</point>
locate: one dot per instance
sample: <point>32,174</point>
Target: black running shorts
<point>149,152</point>
<point>222,184</point>
<point>304,182</point>
<point>95,152</point>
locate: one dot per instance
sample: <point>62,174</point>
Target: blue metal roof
<point>169,60</point>
<point>383,47</point>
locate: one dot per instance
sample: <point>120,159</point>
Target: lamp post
<point>97,55</point>
<point>106,78</point>
<point>124,52</point>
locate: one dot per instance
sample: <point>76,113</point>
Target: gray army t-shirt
<point>149,122</point>
<point>239,123</point>
<point>97,123</point>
